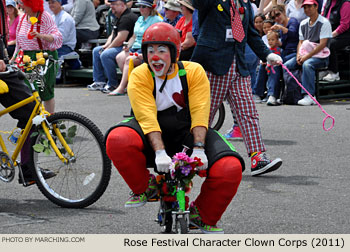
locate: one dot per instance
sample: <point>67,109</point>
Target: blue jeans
<point>105,65</point>
<point>273,82</point>
<point>308,71</point>
<point>64,50</point>
<point>252,63</point>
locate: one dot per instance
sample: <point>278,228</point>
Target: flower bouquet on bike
<point>173,187</point>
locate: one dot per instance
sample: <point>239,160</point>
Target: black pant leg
<point>18,91</point>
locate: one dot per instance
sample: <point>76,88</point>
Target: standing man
<point>225,27</point>
<point>103,57</point>
<point>316,29</point>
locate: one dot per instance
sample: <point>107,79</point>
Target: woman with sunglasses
<point>132,50</point>
<point>288,29</point>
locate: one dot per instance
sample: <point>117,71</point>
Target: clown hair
<point>35,5</point>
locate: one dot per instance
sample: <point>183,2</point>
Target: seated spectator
<point>258,23</point>
<point>288,27</point>
<point>172,12</point>
<point>12,21</point>
<point>103,57</point>
<point>67,5</point>
<point>66,25</point>
<point>86,24</point>
<point>148,17</point>
<point>185,26</point>
<point>315,29</point>
<point>295,10</point>
<point>338,13</point>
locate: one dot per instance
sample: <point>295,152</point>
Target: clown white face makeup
<point>159,59</point>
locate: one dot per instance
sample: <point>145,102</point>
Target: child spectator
<point>267,75</point>
<point>258,87</point>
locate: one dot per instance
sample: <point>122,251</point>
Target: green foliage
<point>44,145</point>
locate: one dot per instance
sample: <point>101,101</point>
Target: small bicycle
<point>173,214</point>
<point>66,143</point>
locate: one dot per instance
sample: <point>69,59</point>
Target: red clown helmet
<point>162,33</point>
<point>35,5</point>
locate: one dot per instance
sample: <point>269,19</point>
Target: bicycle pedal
<point>192,227</point>
<point>153,199</point>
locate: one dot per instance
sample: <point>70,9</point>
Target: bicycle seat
<point>3,87</point>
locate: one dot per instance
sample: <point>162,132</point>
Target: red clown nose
<point>155,58</point>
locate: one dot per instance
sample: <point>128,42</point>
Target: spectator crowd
<point>306,33</point>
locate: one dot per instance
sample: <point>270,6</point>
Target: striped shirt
<point>48,26</point>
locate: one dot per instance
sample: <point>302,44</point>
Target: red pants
<point>125,149</point>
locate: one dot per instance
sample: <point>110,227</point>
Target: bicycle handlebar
<point>32,65</point>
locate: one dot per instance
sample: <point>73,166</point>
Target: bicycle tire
<point>181,226</point>
<point>219,118</point>
<point>85,178</point>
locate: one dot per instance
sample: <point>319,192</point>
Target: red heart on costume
<point>179,99</point>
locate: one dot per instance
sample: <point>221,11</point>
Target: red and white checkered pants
<point>236,89</point>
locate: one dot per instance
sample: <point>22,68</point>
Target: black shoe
<point>29,178</point>
<point>261,164</point>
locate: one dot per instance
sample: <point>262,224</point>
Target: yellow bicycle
<point>66,143</point>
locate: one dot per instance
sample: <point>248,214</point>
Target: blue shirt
<point>290,40</point>
<point>140,27</point>
<point>174,22</point>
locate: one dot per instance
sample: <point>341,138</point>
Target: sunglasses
<point>276,15</point>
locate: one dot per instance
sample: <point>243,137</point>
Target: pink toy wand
<point>318,104</point>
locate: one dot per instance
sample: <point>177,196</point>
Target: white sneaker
<point>96,86</point>
<point>271,101</point>
<point>322,74</point>
<point>331,77</point>
<point>306,101</point>
<point>257,98</point>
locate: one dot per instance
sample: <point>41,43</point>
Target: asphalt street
<point>310,193</point>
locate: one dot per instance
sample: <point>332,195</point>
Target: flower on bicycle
<point>182,166</point>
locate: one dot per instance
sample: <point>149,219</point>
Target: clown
<point>37,32</point>
<point>171,103</point>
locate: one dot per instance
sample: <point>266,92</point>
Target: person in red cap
<point>316,29</point>
<point>171,103</point>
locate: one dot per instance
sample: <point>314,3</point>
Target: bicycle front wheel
<point>82,181</point>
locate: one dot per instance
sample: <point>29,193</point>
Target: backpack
<point>292,91</point>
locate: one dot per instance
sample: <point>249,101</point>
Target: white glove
<point>274,59</point>
<point>163,161</point>
<point>199,153</point>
